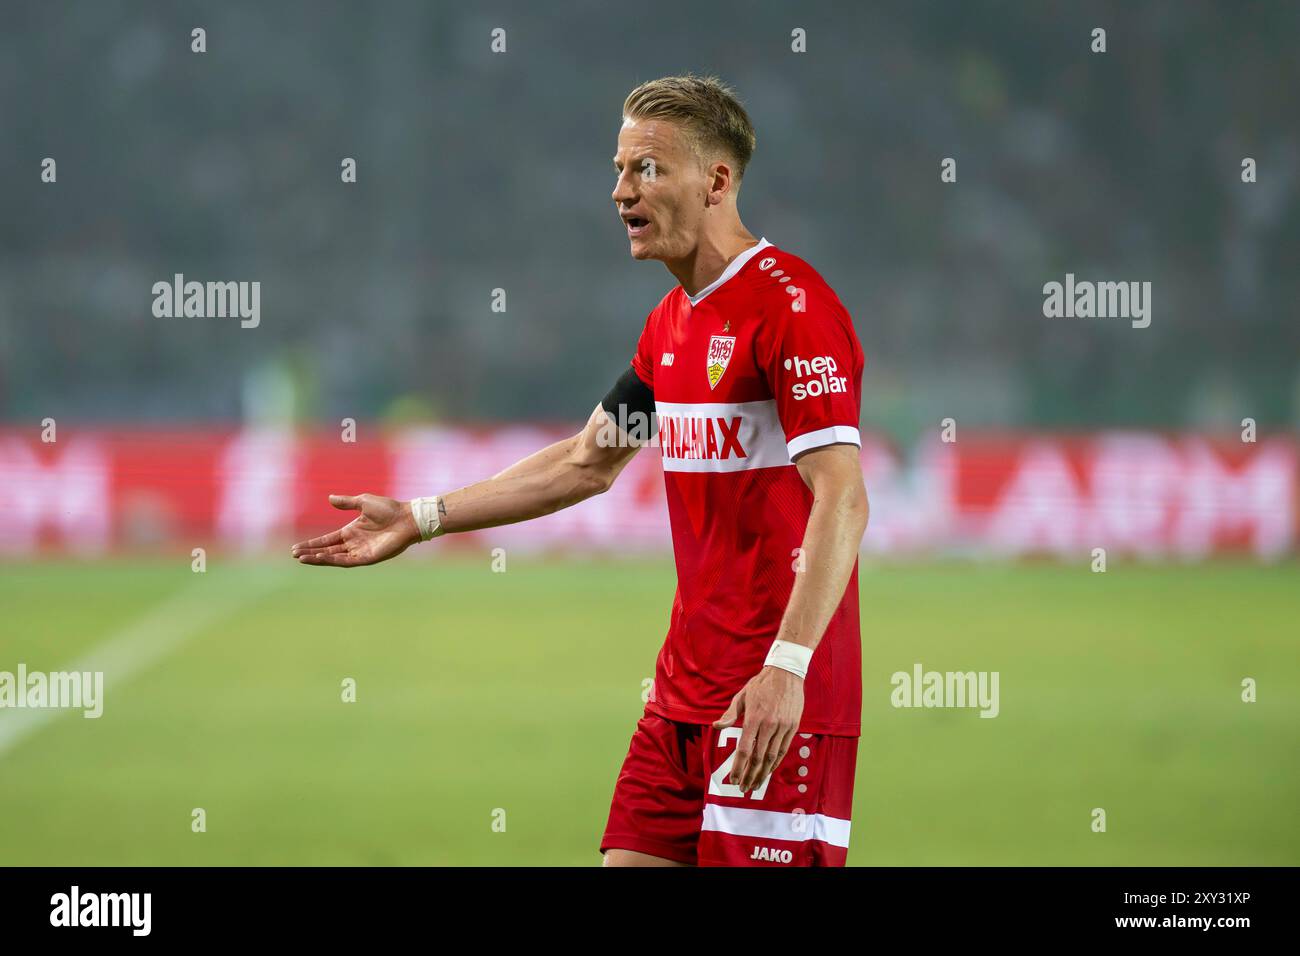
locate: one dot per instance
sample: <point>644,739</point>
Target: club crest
<point>720,349</point>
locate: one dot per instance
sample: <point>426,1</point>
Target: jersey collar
<point>733,267</point>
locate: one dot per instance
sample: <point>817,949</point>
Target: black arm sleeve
<point>629,396</point>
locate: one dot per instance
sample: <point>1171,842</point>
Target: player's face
<point>662,189</point>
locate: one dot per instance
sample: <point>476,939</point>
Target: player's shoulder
<point>672,299</point>
<point>777,277</point>
<point>781,287</point>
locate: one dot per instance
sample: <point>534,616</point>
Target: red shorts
<point>672,799</point>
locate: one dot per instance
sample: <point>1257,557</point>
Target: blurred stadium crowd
<point>480,171</point>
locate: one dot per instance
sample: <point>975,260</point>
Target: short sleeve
<point>642,360</point>
<point>813,364</point>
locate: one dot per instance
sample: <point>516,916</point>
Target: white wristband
<point>789,657</point>
<point>428,518</point>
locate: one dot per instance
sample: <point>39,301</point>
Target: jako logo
<point>823,366</point>
<point>771,853</point>
<point>102,909</point>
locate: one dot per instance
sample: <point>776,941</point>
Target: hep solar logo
<point>826,381</point>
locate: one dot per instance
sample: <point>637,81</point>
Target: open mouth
<point>636,226</point>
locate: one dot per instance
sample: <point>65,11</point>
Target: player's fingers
<point>759,733</point>
<point>344,502</point>
<point>324,541</point>
<point>744,750</point>
<point>776,752</point>
<point>787,741</point>
<point>309,548</point>
<point>313,552</point>
<point>733,712</point>
<point>343,560</point>
<point>763,735</point>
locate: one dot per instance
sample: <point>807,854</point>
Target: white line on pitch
<point>144,641</point>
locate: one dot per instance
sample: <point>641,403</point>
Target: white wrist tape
<point>789,657</point>
<point>427,516</point>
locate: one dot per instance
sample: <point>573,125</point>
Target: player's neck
<point>710,258</point>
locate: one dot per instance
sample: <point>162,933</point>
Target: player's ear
<point>719,183</point>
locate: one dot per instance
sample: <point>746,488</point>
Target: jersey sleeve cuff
<point>646,379</point>
<point>835,435</point>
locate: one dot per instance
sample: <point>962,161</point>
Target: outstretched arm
<point>556,477</point>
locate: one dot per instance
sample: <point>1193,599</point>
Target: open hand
<point>384,530</point>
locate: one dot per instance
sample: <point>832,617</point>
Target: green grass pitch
<point>480,692</point>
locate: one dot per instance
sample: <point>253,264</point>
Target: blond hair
<point>706,106</point>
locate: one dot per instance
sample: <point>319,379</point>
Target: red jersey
<point>761,365</point>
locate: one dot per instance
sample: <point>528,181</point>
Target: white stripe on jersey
<point>776,825</point>
<point>736,436</point>
<point>720,436</point>
<point>835,435</point>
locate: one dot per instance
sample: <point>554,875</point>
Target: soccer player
<point>751,368</point>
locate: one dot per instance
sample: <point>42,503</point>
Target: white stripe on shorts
<point>775,825</point>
